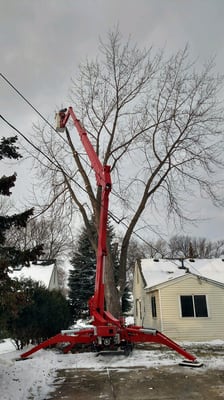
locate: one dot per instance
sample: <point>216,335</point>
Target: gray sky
<point>42,43</point>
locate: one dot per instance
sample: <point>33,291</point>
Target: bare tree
<point>187,246</point>
<point>157,121</point>
<point>6,206</point>
<point>51,232</point>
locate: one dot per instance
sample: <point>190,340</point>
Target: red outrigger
<point>106,333</point>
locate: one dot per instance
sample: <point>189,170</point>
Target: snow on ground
<point>33,378</point>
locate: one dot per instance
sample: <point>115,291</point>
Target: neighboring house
<point>44,272</point>
<point>184,299</point>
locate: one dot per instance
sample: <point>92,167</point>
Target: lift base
<point>121,340</point>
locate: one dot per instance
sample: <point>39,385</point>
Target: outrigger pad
<point>110,353</point>
<point>193,364</point>
<point>21,359</point>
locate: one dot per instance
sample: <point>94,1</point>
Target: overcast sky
<point>42,43</point>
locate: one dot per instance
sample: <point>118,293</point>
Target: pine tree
<point>10,256</point>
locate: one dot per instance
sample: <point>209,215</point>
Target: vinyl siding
<point>192,328</point>
<point>139,297</point>
<point>169,319</point>
<point>149,320</point>
<point>142,303</point>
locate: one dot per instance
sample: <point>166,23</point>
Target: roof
<point>36,272</point>
<point>156,272</point>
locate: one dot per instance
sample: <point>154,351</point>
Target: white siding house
<point>184,299</point>
<point>42,272</point>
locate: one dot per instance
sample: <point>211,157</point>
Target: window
<point>153,305</point>
<point>194,306</point>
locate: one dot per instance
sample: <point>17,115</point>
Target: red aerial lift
<point>106,333</point>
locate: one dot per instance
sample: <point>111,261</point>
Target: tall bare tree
<point>188,246</point>
<point>157,121</point>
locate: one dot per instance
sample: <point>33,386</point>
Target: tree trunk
<point>112,297</point>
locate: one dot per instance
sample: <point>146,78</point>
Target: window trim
<point>138,305</point>
<point>194,308</point>
<point>154,307</point>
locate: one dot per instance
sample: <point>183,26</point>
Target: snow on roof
<point>160,271</point>
<point>36,272</point>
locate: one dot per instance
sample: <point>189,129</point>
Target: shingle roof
<point>156,272</point>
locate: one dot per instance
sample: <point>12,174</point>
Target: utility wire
<point>118,221</point>
<point>39,113</point>
<point>26,101</point>
<point>25,138</point>
<point>57,165</point>
<point>114,217</point>
<point>47,122</point>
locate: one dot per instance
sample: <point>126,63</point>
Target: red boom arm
<point>103,179</point>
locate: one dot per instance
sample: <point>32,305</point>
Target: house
<point>184,299</point>
<point>44,272</point>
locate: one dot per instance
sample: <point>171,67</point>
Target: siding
<point>190,328</point>
<point>142,303</point>
<point>53,284</point>
<point>139,297</point>
<point>149,320</point>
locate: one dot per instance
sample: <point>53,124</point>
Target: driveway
<point>162,383</point>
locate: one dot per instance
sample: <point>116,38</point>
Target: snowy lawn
<point>34,378</point>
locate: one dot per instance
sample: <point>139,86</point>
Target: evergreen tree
<point>10,256</point>
<point>43,314</point>
<point>81,280</point>
<point>82,277</point>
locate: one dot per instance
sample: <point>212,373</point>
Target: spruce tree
<point>82,277</point>
<point>10,256</point>
<point>81,280</point>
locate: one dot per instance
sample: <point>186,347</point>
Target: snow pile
<point>27,379</point>
<point>34,377</point>
<point>7,345</point>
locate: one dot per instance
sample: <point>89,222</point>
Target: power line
<point>115,194</point>
<point>26,101</point>
<point>39,113</point>
<point>57,165</point>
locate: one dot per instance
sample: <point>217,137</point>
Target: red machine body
<point>105,332</point>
